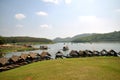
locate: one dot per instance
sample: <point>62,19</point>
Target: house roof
<point>59,52</point>
<point>3,60</point>
<point>15,58</point>
<point>43,54</point>
<point>73,52</point>
<point>33,55</point>
<point>24,56</point>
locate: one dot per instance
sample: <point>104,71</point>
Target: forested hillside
<point>24,39</point>
<point>113,36</point>
<point>69,39</point>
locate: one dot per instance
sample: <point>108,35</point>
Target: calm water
<point>53,48</point>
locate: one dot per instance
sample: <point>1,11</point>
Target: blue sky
<point>58,18</point>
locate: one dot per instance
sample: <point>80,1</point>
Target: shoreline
<point>6,48</point>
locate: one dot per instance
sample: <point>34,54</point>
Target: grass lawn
<point>91,68</point>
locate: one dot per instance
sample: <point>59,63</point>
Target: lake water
<point>53,48</point>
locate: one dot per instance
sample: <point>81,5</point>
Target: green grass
<point>34,43</point>
<point>16,49</point>
<point>94,68</point>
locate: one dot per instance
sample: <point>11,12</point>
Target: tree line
<point>113,36</point>
<point>23,39</point>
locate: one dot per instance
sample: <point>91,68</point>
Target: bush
<point>2,41</point>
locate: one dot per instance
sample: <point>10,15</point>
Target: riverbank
<point>6,48</point>
<point>92,68</point>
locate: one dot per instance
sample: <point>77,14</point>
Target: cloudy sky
<point>58,18</point>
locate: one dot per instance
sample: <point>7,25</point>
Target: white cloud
<point>19,26</point>
<point>68,1</point>
<point>41,13</point>
<point>45,26</point>
<point>51,1</point>
<point>20,16</point>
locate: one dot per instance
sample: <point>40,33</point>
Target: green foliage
<point>26,39</point>
<point>114,36</point>
<point>69,39</point>
<point>2,41</point>
<point>95,68</point>
<point>16,49</point>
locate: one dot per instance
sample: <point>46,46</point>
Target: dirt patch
<point>29,78</point>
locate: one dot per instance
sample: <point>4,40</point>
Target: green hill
<point>58,39</point>
<point>113,36</point>
<point>69,39</point>
<point>92,68</point>
<point>26,39</point>
<point>94,37</point>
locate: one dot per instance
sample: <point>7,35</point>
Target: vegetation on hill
<point>69,39</point>
<point>97,68</point>
<point>15,48</point>
<point>2,40</point>
<point>58,39</point>
<point>22,44</point>
<point>113,36</point>
<point>25,39</point>
<point>81,35</point>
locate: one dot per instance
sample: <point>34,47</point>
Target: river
<point>53,48</point>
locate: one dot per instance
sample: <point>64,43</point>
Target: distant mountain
<point>69,39</point>
<point>82,35</point>
<point>94,37</point>
<point>113,36</point>
<point>58,39</point>
<point>26,39</point>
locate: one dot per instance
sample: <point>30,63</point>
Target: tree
<point>2,41</point>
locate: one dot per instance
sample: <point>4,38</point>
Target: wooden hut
<point>35,56</point>
<point>82,53</point>
<point>65,48</point>
<point>24,56</point>
<point>96,53</point>
<point>14,59</point>
<point>118,54</point>
<point>3,61</point>
<point>59,54</point>
<point>45,56</point>
<point>89,53</point>
<point>32,55</point>
<point>112,53</point>
<point>74,53</point>
<point>44,47</point>
<point>104,52</point>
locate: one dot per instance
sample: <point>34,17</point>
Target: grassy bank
<point>19,46</point>
<point>15,48</point>
<point>34,43</point>
<point>94,68</point>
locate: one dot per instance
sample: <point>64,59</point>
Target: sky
<point>58,18</point>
